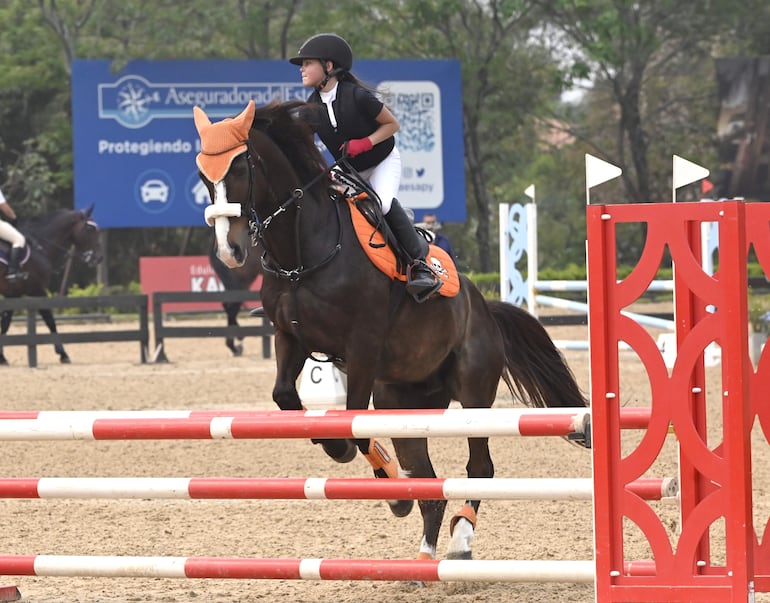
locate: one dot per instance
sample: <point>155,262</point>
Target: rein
<point>258,228</point>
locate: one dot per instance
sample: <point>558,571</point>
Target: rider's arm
<point>8,211</point>
<point>387,126</point>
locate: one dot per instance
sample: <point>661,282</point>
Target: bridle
<point>87,256</point>
<point>258,227</point>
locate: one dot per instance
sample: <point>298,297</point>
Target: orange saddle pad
<point>382,256</point>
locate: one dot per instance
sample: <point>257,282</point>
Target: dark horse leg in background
<point>47,317</point>
<point>235,279</point>
<point>5,322</point>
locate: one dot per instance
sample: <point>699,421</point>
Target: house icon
<point>200,194</point>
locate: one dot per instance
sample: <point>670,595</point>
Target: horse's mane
<point>287,124</point>
<point>46,225</point>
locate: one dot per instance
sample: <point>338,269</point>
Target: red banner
<point>182,273</point>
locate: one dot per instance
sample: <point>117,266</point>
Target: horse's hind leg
<point>47,316</point>
<point>413,456</point>
<point>5,323</point>
<point>463,523</point>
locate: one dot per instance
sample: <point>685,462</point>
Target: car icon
<point>154,190</point>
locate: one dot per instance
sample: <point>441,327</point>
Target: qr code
<point>416,113</point>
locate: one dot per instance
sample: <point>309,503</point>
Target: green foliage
<point>487,282</point>
<point>571,272</point>
<point>649,67</point>
<point>133,288</point>
<point>754,270</point>
<point>759,310</point>
<point>87,291</point>
<point>95,290</point>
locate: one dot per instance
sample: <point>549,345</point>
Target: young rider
<point>14,237</point>
<point>357,122</point>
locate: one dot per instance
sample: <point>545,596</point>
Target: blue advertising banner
<point>135,141</point>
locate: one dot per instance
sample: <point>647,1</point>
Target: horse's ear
<point>245,120</point>
<point>88,211</point>
<point>201,119</point>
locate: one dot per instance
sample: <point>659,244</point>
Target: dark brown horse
<point>50,241</point>
<point>324,295</point>
<point>235,279</point>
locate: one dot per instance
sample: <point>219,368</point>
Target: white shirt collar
<point>328,98</point>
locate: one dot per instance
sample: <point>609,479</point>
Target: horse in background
<point>237,279</point>
<point>50,239</point>
<point>268,182</point>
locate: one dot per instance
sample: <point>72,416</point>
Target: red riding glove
<point>357,146</point>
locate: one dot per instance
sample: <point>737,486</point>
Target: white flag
<point>687,172</point>
<point>530,191</point>
<point>599,171</point>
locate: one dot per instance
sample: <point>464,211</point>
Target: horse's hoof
<point>401,508</point>
<point>462,555</point>
<point>3,362</point>
<point>237,350</point>
<point>341,451</point>
<point>65,359</point>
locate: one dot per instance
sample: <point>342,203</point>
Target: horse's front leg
<point>383,464</point>
<point>5,323</point>
<point>290,360</point>
<point>47,316</point>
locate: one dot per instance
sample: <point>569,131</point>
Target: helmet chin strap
<point>329,75</point>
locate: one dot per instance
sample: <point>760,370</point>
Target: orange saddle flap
<point>382,256</point>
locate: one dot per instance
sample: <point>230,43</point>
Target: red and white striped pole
<point>322,488</point>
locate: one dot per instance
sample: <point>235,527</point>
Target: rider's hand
<point>357,146</point>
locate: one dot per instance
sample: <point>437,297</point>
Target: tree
<point>649,65</point>
<point>650,71</point>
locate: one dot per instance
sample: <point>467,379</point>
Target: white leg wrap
<point>462,536</point>
<point>427,551</point>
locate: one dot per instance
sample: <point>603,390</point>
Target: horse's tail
<point>535,370</point>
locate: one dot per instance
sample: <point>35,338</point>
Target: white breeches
<point>385,178</point>
<point>10,234</point>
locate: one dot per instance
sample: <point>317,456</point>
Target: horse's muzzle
<point>92,259</point>
<point>232,258</point>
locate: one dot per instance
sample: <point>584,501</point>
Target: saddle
<point>378,241</point>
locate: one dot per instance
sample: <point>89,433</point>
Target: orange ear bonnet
<point>221,142</point>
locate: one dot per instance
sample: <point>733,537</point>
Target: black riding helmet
<point>326,47</point>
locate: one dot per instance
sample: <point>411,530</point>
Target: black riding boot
<point>421,282</point>
<point>14,261</point>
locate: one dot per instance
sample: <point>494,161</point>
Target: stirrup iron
<point>421,294</point>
